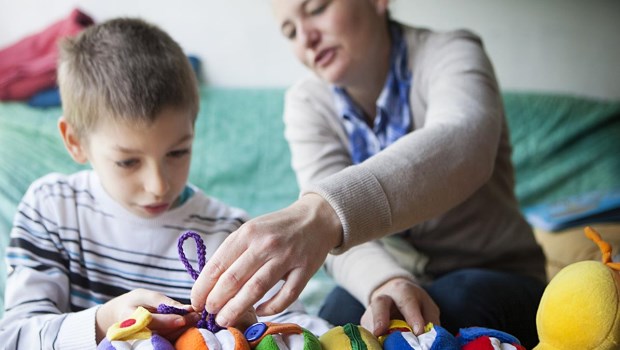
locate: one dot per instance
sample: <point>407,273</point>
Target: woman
<point>399,133</point>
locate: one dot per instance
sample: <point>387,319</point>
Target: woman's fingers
<point>378,314</point>
<point>403,299</point>
<point>289,244</point>
<point>249,293</point>
<point>226,254</point>
<point>295,282</point>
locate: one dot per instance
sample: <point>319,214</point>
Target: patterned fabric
<point>393,119</point>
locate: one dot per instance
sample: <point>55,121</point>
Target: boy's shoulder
<point>60,183</point>
<point>215,207</point>
<point>51,180</point>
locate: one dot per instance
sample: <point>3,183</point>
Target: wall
<point>553,45</point>
<point>568,46</point>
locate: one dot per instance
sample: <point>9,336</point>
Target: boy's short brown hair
<point>125,69</point>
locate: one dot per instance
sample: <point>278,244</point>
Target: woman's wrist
<point>325,217</point>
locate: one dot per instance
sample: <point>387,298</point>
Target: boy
<point>91,247</point>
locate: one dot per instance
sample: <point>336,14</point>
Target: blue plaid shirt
<point>393,119</point>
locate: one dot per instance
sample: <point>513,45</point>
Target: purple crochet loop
<point>169,309</point>
<point>206,320</point>
<point>201,251</point>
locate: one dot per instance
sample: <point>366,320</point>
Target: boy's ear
<point>72,142</point>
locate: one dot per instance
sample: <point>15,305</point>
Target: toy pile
<point>580,309</point>
<point>133,333</point>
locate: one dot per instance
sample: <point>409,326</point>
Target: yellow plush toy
<point>349,337</point>
<point>580,308</point>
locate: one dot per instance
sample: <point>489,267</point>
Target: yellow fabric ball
<point>580,309</point>
<point>345,338</point>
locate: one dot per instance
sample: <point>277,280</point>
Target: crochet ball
<point>202,339</point>
<point>291,341</point>
<point>435,338</point>
<point>156,342</point>
<point>349,337</point>
<point>580,309</point>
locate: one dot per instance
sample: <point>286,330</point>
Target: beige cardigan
<point>450,180</point>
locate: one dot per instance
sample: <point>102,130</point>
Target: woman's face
<point>337,39</point>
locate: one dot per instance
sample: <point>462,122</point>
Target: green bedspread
<point>563,145</point>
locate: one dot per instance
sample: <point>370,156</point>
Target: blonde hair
<point>126,69</point>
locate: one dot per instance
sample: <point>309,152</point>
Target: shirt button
<point>255,331</point>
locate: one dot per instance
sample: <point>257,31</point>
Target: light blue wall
<point>552,45</point>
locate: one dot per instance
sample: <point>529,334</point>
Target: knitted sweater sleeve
<point>37,311</point>
<point>318,150</point>
<point>448,156</point>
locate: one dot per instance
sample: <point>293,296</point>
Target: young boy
<point>88,248</point>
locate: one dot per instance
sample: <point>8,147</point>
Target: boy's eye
<point>179,153</point>
<point>127,163</point>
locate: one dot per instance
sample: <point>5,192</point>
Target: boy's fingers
<point>151,300</point>
<point>167,321</point>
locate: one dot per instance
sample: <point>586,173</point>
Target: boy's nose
<point>156,182</point>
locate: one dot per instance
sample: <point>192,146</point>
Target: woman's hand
<point>289,244</point>
<point>400,298</point>
<point>169,326</point>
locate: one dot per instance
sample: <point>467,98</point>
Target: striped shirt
<point>73,248</point>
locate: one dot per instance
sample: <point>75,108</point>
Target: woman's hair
<point>124,69</point>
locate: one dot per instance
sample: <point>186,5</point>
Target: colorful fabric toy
<point>580,308</point>
<point>203,339</point>
<point>133,333</point>
<point>281,336</point>
<point>400,337</point>
<point>479,338</point>
<point>349,337</point>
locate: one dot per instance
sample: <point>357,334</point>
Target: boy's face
<point>143,168</point>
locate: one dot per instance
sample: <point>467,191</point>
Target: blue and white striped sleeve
<point>37,307</point>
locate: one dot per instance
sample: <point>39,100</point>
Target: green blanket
<point>563,145</point>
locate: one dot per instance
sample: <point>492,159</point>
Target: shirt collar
<point>398,78</point>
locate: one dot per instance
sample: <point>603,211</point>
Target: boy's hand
<point>170,326</point>
<point>400,298</point>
